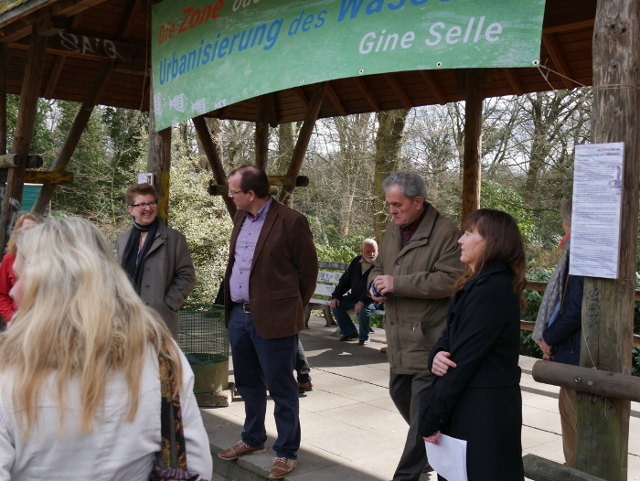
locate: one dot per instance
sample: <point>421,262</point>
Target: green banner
<point>210,54</point>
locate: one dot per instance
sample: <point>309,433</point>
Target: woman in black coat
<point>476,396</point>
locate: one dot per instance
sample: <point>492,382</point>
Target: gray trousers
<point>410,393</point>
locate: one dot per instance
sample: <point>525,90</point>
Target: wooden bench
<point>329,274</point>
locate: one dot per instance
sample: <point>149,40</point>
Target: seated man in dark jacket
<point>352,292</point>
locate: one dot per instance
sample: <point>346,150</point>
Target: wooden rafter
<point>301,95</point>
<point>335,100</point>
<point>20,27</point>
<point>71,44</point>
<point>78,127</point>
<point>433,86</point>
<point>302,143</point>
<point>211,150</point>
<point>127,20</point>
<point>366,91</point>
<point>569,27</point>
<point>401,92</point>
<point>58,65</point>
<point>513,80</point>
<point>556,56</point>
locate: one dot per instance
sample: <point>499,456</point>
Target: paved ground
<point>351,429</point>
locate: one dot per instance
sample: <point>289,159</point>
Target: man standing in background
<point>414,274</point>
<point>155,257</point>
<point>270,277</point>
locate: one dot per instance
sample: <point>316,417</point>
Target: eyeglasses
<point>234,192</point>
<point>144,204</point>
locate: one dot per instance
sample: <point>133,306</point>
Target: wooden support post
<point>3,98</point>
<point>79,124</point>
<point>159,161</point>
<point>540,469</point>
<point>472,156</point>
<point>302,143</point>
<point>608,305</point>
<point>262,145</point>
<point>593,381</point>
<point>213,155</point>
<point>24,129</point>
<point>265,111</point>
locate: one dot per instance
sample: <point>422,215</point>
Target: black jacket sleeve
<point>344,284</point>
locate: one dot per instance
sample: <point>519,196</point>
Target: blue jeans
<point>345,323</point>
<point>260,364</point>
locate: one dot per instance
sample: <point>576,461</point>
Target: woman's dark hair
<point>503,243</point>
<point>252,178</point>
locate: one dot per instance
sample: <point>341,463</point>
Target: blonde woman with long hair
<point>79,369</point>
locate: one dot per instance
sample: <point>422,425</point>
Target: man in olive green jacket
<point>414,274</point>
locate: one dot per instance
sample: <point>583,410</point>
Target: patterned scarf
<point>133,258</point>
<point>552,294</point>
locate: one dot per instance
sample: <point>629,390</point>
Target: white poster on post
<point>597,205</point>
<point>145,178</point>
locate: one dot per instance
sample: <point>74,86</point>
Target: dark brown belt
<point>245,306</point>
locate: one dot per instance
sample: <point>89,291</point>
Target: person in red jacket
<point>7,278</point>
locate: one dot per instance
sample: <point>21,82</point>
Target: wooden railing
<point>540,287</point>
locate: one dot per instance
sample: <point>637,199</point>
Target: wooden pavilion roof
<point>83,34</point>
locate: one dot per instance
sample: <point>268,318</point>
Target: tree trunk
<point>388,143</point>
<point>286,144</point>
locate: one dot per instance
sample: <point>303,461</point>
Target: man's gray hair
<point>409,183</point>
<point>369,242</point>
<point>565,210</point>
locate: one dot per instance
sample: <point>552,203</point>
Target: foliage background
<point>527,169</point>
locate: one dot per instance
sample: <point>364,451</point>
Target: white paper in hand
<point>448,458</point>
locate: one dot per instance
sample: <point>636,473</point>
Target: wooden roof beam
<point>433,86</point>
<point>302,143</point>
<point>129,15</point>
<point>301,95</point>
<point>130,57</point>
<point>569,27</point>
<point>267,110</point>
<point>47,25</point>
<point>366,91</point>
<point>74,7</point>
<point>212,151</point>
<point>514,81</point>
<point>73,138</point>
<point>553,49</point>
<point>401,92</point>
<point>335,100</point>
<point>19,21</point>
<point>54,77</point>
